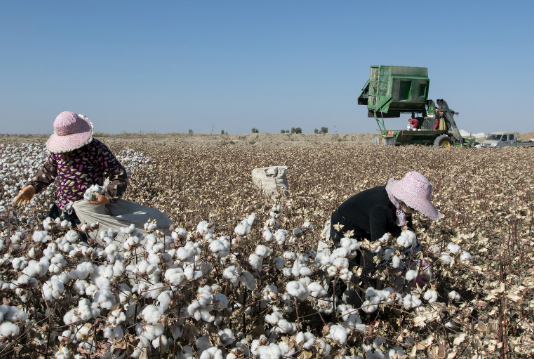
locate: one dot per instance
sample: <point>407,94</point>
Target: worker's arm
<point>45,175</point>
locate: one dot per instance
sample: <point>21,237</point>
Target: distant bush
<point>296,130</point>
<point>255,130</point>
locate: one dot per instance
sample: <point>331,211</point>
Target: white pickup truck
<point>502,139</point>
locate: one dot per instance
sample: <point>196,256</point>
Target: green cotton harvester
<point>392,90</point>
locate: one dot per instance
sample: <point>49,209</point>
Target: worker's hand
<point>100,200</point>
<point>25,195</point>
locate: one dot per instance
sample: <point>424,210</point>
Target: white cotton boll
<point>161,341</point>
<point>272,351</point>
<point>267,236</point>
<point>431,296</point>
<point>57,263</point>
<point>153,258</point>
<point>453,295</point>
<point>220,302</point>
<point>255,262</point>
<point>306,339</point>
<point>212,353</point>
<point>369,307</point>
<point>53,288</point>
<point>345,274</point>
<point>433,249</point>
<point>280,236</point>
<point>243,228</point>
<point>454,248</point>
<point>289,256</point>
<point>411,275</point>
<point>338,333</point>
<point>322,259</point>
<point>388,253</point>
<point>105,299</point>
<point>247,279</point>
<point>128,230</point>
<point>72,236</point>
<point>203,228</point>
<point>297,290</point>
<point>340,263</point>
<point>273,318</point>
<point>232,274</point>
<point>350,243</point>
<point>466,256</point>
<point>113,333</point>
<point>395,262</point>
<point>263,251</point>
<point>80,286</point>
<point>8,329</point>
<point>91,290</point>
<point>252,219</point>
<point>411,301</point>
<point>175,276</point>
<point>36,269</point>
<point>164,299</point>
<point>226,336</point>
<point>181,233</point>
<point>152,314</point>
<point>19,263</point>
<point>316,290</point>
<point>407,239</point>
<point>220,247</point>
<point>446,258</point>
<point>82,271</point>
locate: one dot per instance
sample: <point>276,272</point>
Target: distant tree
<point>324,130</point>
<point>190,131</point>
<point>223,132</point>
<point>284,131</point>
<point>255,130</point>
<point>296,130</point>
<point>316,131</point>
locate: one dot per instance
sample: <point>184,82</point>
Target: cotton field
<point>241,276</point>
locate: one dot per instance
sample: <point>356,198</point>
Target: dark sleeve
<point>114,171</point>
<point>380,221</point>
<point>45,175</point>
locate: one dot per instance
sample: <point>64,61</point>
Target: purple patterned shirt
<point>78,170</point>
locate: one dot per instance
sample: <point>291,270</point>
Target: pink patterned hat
<point>415,190</point>
<point>71,131</point>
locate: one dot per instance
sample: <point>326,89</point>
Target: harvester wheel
<point>443,141</point>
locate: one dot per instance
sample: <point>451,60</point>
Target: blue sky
<point>171,66</point>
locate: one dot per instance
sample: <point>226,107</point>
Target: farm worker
<point>383,209</point>
<point>414,123</point>
<point>79,161</point>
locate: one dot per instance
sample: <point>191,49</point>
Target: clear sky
<point>171,66</point>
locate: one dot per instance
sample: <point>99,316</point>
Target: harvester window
<point>405,90</point>
<point>504,138</point>
<point>422,90</point>
<point>511,137</point>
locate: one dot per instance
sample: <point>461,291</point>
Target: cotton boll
<point>345,274</point>
<point>279,262</point>
<point>179,234</point>
<point>19,263</point>
<point>298,290</point>
<point>267,236</point>
<point>212,353</point>
<point>232,274</point>
<point>466,256</point>
<point>113,333</point>
<point>8,329</point>
<point>152,314</point>
<point>351,244</point>
<point>431,296</point>
<point>164,299</point>
<point>411,275</point>
<point>272,351</point>
<point>340,263</point>
<point>338,333</point>
<point>454,248</point>
<point>280,236</point>
<point>263,251</point>
<point>247,279</point>
<point>175,276</point>
<point>446,258</point>
<point>435,250</point>
<point>306,339</point>
<point>453,295</point>
<point>274,318</point>
<point>220,247</point>
<point>411,301</point>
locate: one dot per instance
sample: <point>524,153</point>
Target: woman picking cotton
<point>374,212</point>
<point>78,161</point>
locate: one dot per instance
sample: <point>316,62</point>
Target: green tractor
<point>392,90</point>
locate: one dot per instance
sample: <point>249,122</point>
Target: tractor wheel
<point>443,141</point>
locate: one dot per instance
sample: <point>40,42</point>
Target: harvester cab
<point>393,90</point>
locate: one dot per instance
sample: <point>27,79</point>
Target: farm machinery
<point>393,90</point>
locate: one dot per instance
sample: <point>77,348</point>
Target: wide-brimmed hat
<point>71,131</point>
<point>415,190</point>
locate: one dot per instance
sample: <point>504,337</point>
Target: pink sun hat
<point>71,131</point>
<point>415,190</point>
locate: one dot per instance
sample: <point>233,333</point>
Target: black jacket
<point>370,214</point>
